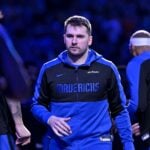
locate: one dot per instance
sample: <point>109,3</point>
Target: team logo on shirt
<point>93,72</point>
<point>78,87</point>
<point>59,75</point>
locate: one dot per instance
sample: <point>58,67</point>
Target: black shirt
<point>6,121</point>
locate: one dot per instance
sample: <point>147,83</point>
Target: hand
<point>23,135</point>
<point>59,125</point>
<point>136,129</point>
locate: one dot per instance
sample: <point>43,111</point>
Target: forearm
<point>23,135</point>
<point>132,111</point>
<point>123,125</point>
<point>15,109</point>
<point>41,113</point>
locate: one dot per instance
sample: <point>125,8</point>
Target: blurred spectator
<point>14,83</point>
<point>43,20</point>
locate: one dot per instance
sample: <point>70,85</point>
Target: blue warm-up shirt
<point>90,94</point>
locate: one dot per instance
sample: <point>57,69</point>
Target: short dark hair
<point>78,21</point>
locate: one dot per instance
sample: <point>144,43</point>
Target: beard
<point>76,51</point>
<point>77,54</point>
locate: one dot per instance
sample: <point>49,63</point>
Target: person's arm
<point>41,100</point>
<point>22,133</point>
<point>18,82</point>
<point>132,73</point>
<point>13,67</point>
<point>117,101</point>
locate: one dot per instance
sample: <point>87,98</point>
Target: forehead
<point>76,29</point>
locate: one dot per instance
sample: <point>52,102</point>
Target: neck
<point>78,59</point>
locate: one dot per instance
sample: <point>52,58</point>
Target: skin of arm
<point>18,83</point>
<point>23,135</point>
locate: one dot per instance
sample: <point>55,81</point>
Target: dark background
<point>36,26</point>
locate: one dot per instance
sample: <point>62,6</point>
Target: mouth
<point>72,47</point>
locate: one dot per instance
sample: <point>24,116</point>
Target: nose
<point>74,40</point>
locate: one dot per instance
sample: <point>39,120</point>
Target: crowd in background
<point>37,25</point>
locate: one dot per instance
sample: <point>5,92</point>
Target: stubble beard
<point>76,56</point>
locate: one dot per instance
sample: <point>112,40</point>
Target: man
<point>14,84</point>
<point>76,92</point>
<point>138,74</point>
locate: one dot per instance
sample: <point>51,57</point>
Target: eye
<point>80,36</point>
<point>69,35</point>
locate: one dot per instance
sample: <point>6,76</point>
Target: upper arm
<point>116,94</point>
<point>41,94</point>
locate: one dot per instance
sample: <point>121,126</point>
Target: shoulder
<point>51,63</point>
<point>137,61</point>
<point>107,63</point>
